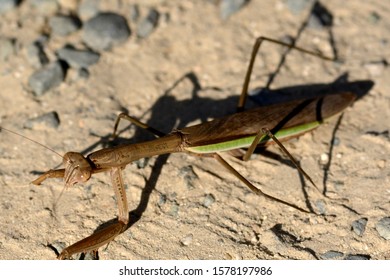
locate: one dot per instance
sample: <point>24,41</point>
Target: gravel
<point>50,119</point>
<point>7,48</point>
<point>229,7</point>
<point>148,24</point>
<point>359,226</point>
<point>208,200</point>
<point>45,7</point>
<point>36,55</point>
<point>105,30</point>
<point>298,6</point>
<point>320,17</point>
<point>383,228</point>
<point>78,58</point>
<point>332,255</point>
<point>134,12</point>
<point>46,78</point>
<point>7,5</point>
<point>64,25</point>
<point>88,9</point>
<point>357,257</point>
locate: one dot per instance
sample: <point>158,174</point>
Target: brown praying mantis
<point>244,129</point>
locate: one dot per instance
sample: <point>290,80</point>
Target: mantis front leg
<point>73,174</point>
<point>106,235</point>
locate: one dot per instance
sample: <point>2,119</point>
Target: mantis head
<point>77,169</point>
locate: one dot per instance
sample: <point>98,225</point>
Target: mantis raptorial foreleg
<point>52,173</point>
<point>106,235</point>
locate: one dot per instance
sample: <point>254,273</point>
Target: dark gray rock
<point>321,206</point>
<point>359,226</point>
<point>83,73</point>
<point>383,227</point>
<point>208,200</point>
<point>50,119</point>
<point>7,5</point>
<point>45,6</point>
<point>189,176</point>
<point>298,6</point>
<point>7,48</point>
<point>88,9</point>
<point>229,7</point>
<point>320,16</point>
<point>331,255</point>
<point>36,55</point>
<point>134,12</point>
<point>46,78</point>
<point>148,24</point>
<point>357,257</point>
<point>63,25</point>
<point>78,58</point>
<point>105,30</point>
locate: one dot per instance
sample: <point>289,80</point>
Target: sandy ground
<point>172,198</point>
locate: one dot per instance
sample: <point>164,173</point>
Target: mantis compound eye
<point>77,169</point>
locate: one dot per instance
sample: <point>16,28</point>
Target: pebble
<point>134,12</point>
<point>46,7</point>
<point>174,210</point>
<point>320,17</point>
<point>83,73</point>
<point>357,257</point>
<point>324,159</point>
<point>375,17</point>
<point>162,200</point>
<point>229,7</point>
<point>88,9</point>
<point>7,48</point>
<point>78,58</point>
<point>321,206</point>
<point>298,6</point>
<point>46,78</point>
<point>105,30</point>
<point>187,240</point>
<point>50,119</point>
<point>332,255</point>
<point>208,200</point>
<point>148,24</point>
<point>376,68</point>
<point>57,246</point>
<point>142,163</point>
<point>359,226</point>
<point>36,55</point>
<point>383,227</point>
<point>76,74</point>
<point>336,141</point>
<point>187,172</point>
<point>7,5</point>
<point>64,25</point>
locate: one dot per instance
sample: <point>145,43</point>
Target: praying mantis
<point>244,129</point>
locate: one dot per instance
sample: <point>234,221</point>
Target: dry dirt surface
<point>188,69</point>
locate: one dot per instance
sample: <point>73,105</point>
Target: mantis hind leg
<point>265,132</point>
<point>256,190</point>
<point>255,49</point>
<point>137,123</point>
